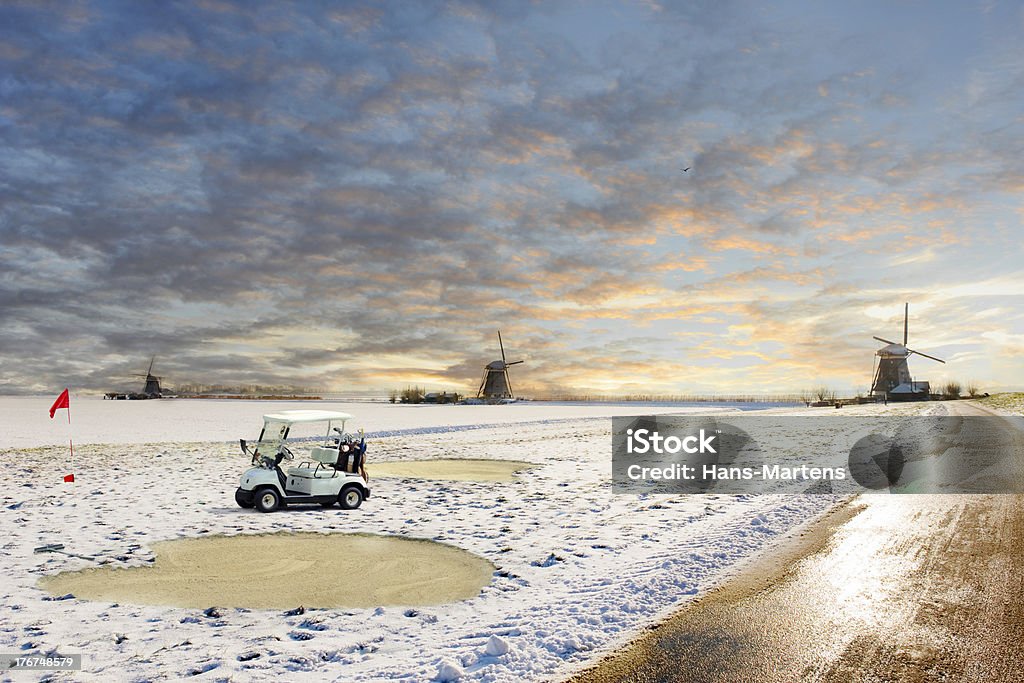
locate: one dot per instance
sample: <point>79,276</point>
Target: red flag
<point>62,402</point>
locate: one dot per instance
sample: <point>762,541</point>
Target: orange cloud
<point>747,244</point>
<point>689,264</point>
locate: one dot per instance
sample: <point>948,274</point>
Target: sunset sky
<point>357,196</point>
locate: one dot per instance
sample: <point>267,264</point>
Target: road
<point>886,588</point>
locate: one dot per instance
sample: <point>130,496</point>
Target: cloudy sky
<point>357,196</point>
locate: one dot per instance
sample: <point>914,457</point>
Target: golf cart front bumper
<point>245,496</point>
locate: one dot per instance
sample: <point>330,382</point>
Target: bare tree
<point>413,394</point>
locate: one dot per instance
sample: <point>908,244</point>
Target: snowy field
<point>579,570</point>
<point>25,421</point>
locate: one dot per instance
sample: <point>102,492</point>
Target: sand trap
<point>454,470</point>
<point>279,571</point>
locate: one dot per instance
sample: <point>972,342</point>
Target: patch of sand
<point>278,571</point>
<point>453,470</point>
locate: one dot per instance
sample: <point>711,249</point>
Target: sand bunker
<point>454,470</point>
<point>279,571</point>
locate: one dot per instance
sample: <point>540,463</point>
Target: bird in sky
<point>684,170</point>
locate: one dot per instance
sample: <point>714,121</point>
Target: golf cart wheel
<point>350,498</point>
<point>243,501</point>
<point>267,500</point>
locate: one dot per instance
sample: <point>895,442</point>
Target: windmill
<point>495,385</point>
<point>152,389</point>
<point>892,376</point>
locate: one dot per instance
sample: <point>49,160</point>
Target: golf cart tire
<point>243,500</point>
<point>267,500</point>
<point>350,497</point>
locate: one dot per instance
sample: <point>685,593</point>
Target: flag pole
<point>71,445</point>
<point>64,402</point>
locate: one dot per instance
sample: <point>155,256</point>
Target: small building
<point>441,397</point>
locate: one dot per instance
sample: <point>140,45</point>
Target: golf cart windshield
<point>299,425</point>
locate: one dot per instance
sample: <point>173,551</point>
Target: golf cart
<point>333,473</point>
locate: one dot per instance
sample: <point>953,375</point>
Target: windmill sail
<point>152,389</point>
<point>892,378</point>
<point>495,384</point>
<point>152,382</point>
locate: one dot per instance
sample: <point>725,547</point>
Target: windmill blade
<point>501,346</point>
<point>515,362</point>
<point>884,340</point>
<point>508,383</point>
<point>927,356</point>
<point>906,317</point>
<point>150,371</point>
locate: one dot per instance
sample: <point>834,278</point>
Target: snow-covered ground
<point>25,420</point>
<point>578,569</point>
<point>1006,404</point>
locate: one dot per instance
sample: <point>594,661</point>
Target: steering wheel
<point>288,455</point>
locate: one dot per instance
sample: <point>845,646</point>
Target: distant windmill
<point>152,389</point>
<point>495,385</point>
<point>892,376</point>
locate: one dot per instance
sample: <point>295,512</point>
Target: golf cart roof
<point>296,416</point>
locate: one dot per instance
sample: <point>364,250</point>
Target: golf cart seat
<point>326,456</point>
<point>325,459</point>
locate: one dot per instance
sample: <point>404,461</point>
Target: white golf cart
<point>333,473</point>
